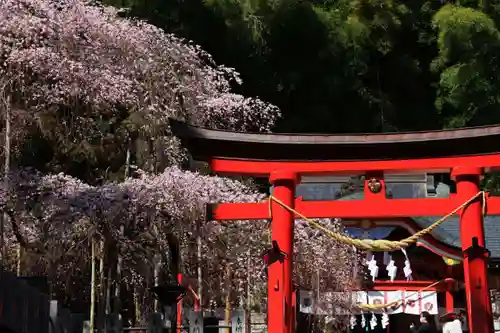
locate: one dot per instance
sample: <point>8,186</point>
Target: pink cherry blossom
<point>71,68</point>
<point>153,206</point>
<point>65,55</point>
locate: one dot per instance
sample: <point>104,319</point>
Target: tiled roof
<point>448,232</point>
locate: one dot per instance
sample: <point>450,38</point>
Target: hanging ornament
<point>353,322</point>
<point>451,262</point>
<point>374,271</point>
<point>363,321</point>
<point>385,320</point>
<point>407,269</point>
<point>391,268</point>
<point>371,263</point>
<point>373,321</point>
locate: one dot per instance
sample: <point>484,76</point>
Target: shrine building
<point>433,258</point>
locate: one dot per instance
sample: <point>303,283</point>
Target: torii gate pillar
<point>475,257</point>
<point>280,272</point>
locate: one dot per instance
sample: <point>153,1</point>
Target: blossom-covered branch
<point>154,206</point>
<point>94,85</point>
<point>91,94</point>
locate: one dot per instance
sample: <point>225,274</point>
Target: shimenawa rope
<point>380,245</point>
<point>374,307</point>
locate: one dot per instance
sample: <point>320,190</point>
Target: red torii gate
<point>284,158</point>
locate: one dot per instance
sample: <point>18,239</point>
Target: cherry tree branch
<point>16,230</point>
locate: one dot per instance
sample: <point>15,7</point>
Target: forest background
<point>328,66</point>
<point>351,66</point>
<point>337,66</point>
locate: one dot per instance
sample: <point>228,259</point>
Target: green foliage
<point>351,66</point>
<point>468,43</point>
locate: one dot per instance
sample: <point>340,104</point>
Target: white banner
<point>238,321</point>
<point>377,298</point>
<point>429,302</point>
<point>306,301</point>
<point>360,297</point>
<point>412,304</point>
<point>195,322</point>
<point>395,296</point>
<point>409,302</point>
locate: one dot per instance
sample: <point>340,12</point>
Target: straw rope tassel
<point>381,245</point>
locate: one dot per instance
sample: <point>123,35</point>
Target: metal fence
<point>23,309</point>
<point>26,309</point>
